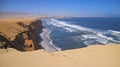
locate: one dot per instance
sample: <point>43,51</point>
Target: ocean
<point>72,33</point>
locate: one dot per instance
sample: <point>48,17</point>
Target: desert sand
<point>91,56</point>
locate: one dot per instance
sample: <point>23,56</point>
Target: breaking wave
<point>91,36</point>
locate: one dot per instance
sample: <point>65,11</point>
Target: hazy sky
<point>63,7</point>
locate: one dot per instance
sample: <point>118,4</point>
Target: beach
<point>59,33</point>
<point>90,56</point>
<point>47,43</point>
<point>72,33</point>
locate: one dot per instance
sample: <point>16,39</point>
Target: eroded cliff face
<point>26,40</point>
<point>35,31</point>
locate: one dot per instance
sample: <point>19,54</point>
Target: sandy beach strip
<point>91,56</point>
<point>46,43</point>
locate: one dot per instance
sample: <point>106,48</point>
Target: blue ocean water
<point>71,33</point>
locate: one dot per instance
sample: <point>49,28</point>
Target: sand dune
<point>92,56</point>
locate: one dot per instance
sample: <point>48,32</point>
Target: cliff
<point>35,29</point>
<point>21,34</point>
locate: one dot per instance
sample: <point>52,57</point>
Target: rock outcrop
<point>25,40</point>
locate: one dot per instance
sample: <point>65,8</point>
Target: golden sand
<point>92,56</point>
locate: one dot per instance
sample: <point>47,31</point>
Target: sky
<point>82,8</point>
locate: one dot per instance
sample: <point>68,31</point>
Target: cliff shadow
<point>29,36</point>
<point>19,42</point>
<point>5,42</point>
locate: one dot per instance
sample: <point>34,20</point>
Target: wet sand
<point>46,41</point>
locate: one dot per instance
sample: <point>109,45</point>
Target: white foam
<point>59,49</point>
<point>66,26</point>
<point>94,37</point>
<point>88,36</point>
<point>100,38</point>
<point>117,32</point>
<point>47,42</point>
<point>96,34</point>
<point>105,37</point>
<point>72,27</point>
<point>51,42</point>
<point>69,29</point>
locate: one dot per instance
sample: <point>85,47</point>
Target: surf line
<point>47,43</point>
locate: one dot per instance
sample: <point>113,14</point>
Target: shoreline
<point>46,43</point>
<point>91,56</point>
